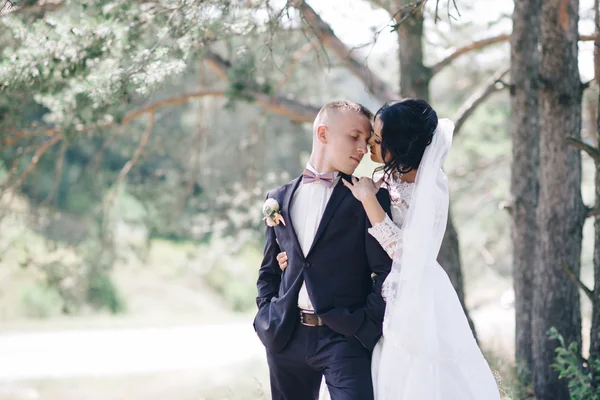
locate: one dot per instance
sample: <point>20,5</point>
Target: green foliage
<point>90,56</point>
<point>522,386</point>
<point>509,377</point>
<point>581,374</point>
<point>41,301</point>
<point>65,279</point>
<point>99,252</point>
<point>244,77</point>
<point>234,275</point>
<point>102,293</point>
<point>84,65</point>
<point>72,287</point>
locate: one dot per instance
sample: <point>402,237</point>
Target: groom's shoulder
<point>383,195</point>
<point>280,191</point>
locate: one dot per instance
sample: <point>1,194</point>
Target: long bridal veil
<point>428,351</point>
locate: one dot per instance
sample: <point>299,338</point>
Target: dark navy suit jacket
<point>337,269</point>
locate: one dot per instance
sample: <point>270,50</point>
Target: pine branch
<point>295,111</point>
<point>298,55</point>
<point>98,157</point>
<point>129,117</point>
<point>278,104</point>
<point>60,162</point>
<point>36,158</point>
<point>593,152</point>
<point>477,45</point>
<point>170,101</point>
<point>592,212</point>
<point>376,86</point>
<point>134,159</point>
<point>588,292</point>
<point>480,44</point>
<point>492,85</point>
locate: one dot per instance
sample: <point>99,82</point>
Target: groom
<point>323,314</point>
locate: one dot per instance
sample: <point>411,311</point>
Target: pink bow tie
<point>326,179</point>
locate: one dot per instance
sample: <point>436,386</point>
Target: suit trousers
<point>313,351</point>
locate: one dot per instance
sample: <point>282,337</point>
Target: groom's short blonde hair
<point>340,106</point>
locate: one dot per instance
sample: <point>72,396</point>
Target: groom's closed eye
<point>356,134</point>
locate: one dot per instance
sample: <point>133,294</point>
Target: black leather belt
<point>309,318</point>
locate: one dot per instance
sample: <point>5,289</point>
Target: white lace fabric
<point>400,196</point>
<point>389,232</point>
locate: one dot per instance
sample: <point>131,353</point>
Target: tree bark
<point>560,211</point>
<point>595,330</point>
<point>524,171</point>
<point>449,259</point>
<point>414,75</point>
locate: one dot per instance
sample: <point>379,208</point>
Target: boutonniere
<point>271,213</point>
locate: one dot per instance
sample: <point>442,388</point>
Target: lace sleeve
<point>387,234</point>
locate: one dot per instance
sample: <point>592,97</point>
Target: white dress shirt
<point>307,207</point>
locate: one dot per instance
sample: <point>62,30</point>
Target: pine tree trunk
<point>525,167</point>
<point>595,331</point>
<point>414,75</point>
<point>560,211</point>
<point>449,259</point>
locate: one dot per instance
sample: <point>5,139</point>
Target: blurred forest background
<point>138,139</point>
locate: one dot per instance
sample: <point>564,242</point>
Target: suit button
<point>307,265</point>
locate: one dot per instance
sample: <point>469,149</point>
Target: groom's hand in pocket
<point>269,274</point>
<point>282,259</point>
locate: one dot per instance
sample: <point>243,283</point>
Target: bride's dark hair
<point>407,128</point>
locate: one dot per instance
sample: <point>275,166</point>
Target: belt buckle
<point>307,312</point>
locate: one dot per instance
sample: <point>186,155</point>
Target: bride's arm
<point>373,209</point>
<point>365,191</point>
<point>388,234</point>
<point>383,228</point>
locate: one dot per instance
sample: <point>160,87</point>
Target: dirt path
<point>67,354</point>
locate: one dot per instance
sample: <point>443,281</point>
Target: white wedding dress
<point>427,351</point>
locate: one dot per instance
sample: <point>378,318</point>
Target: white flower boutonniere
<point>271,213</point>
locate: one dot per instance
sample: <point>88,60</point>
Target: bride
<point>427,351</point>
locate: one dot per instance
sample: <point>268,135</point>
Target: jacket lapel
<point>339,193</point>
<point>287,202</point>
